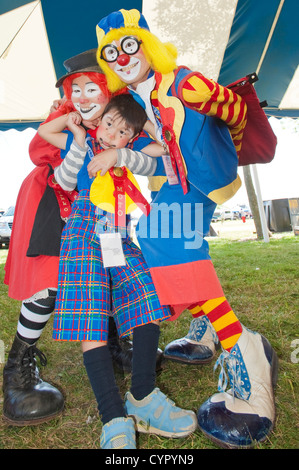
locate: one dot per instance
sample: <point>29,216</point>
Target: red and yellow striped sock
<point>223,319</point>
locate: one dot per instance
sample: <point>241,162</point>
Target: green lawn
<point>260,281</point>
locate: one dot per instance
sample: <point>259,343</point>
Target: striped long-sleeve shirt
<point>135,161</point>
<point>66,173</point>
<point>212,99</point>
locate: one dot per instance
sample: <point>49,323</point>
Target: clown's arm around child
<point>139,162</point>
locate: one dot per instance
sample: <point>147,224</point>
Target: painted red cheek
<point>123,59</point>
<point>102,100</point>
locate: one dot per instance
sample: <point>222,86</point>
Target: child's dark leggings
<point>99,367</point>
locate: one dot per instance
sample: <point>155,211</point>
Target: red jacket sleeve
<point>43,153</point>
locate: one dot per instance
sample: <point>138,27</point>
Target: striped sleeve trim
<point>66,173</point>
<point>208,97</point>
<point>136,162</point>
<point>214,100</point>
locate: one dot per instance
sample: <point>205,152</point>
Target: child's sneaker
<point>119,433</point>
<point>157,414</point>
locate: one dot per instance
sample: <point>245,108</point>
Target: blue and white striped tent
<point>37,36</point>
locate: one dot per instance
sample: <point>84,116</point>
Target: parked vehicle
<point>216,216</point>
<point>227,215</point>
<point>6,221</point>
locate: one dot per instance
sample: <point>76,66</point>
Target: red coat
<point>24,275</point>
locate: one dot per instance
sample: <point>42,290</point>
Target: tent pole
<point>260,204</point>
<point>269,36</point>
<point>254,169</point>
<point>9,44</point>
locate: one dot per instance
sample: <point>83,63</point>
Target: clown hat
<point>160,56</point>
<point>84,62</point>
<point>120,19</point>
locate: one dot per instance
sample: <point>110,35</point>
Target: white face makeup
<point>87,108</point>
<point>87,97</point>
<point>128,73</point>
<point>134,68</point>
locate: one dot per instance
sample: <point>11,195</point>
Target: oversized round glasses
<point>129,45</point>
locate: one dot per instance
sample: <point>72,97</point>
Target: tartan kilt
<point>88,293</point>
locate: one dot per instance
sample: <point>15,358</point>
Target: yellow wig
<point>160,56</point>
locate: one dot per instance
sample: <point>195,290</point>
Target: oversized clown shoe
<point>244,414</point>
<point>197,347</point>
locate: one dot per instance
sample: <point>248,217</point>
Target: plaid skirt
<point>88,293</point>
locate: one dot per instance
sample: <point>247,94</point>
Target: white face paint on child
<point>88,98</point>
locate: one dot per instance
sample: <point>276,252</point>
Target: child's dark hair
<point>129,110</point>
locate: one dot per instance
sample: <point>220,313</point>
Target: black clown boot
<point>27,398</point>
<point>121,350</point>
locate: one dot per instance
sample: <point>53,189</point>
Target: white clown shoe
<point>245,414</point>
<point>197,347</point>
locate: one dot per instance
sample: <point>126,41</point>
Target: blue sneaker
<point>119,433</point>
<point>157,414</point>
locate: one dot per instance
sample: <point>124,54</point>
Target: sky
<point>278,179</point>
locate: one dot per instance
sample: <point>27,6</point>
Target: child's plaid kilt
<point>88,293</point>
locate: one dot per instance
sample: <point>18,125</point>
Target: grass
<point>260,281</point>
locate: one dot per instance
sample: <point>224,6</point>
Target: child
<point>85,298</point>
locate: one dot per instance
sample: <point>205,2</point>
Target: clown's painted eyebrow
<point>85,84</point>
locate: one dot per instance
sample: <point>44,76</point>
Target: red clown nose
<point>123,59</point>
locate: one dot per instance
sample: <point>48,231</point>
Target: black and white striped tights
<point>34,315</point>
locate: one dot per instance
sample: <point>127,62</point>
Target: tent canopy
<point>36,37</point>
<point>263,39</point>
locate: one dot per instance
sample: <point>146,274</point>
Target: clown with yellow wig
<point>202,125</point>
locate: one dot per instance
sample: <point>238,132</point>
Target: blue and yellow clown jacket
<point>202,123</point>
<point>204,142</point>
